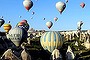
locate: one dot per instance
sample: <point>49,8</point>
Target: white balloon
<point>49,24</point>
<point>60,6</point>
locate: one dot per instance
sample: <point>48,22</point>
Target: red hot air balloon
<point>82,5</point>
<point>28,4</point>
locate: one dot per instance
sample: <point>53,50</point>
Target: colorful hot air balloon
<point>55,18</point>
<point>82,4</point>
<point>51,40</point>
<point>1,22</point>
<point>7,27</point>
<point>60,6</point>
<point>28,4</point>
<point>23,24</point>
<point>24,21</point>
<point>49,24</point>
<point>17,35</point>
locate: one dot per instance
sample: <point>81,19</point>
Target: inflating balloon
<point>49,24</point>
<point>60,6</point>
<point>51,40</point>
<point>1,22</point>
<point>82,5</point>
<point>17,35</point>
<point>28,4</point>
<point>7,27</point>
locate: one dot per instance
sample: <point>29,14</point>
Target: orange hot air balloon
<point>82,5</point>
<point>28,4</point>
<point>7,27</point>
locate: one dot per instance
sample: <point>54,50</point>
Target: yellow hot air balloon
<point>7,27</point>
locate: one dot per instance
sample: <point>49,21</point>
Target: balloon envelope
<point>23,24</point>
<point>1,22</point>
<point>55,18</point>
<point>60,6</point>
<point>24,21</point>
<point>7,27</point>
<point>28,4</point>
<point>66,1</point>
<point>49,24</point>
<point>82,5</point>
<point>16,35</point>
<point>51,40</point>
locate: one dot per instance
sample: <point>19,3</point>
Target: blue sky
<point>12,9</point>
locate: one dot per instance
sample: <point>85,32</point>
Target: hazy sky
<point>12,9</point>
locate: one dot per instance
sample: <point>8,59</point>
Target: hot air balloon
<point>8,21</point>
<point>31,18</point>
<point>17,35</point>
<point>60,6</point>
<point>1,16</point>
<point>28,4</point>
<point>33,12</point>
<point>82,5</point>
<point>1,22</point>
<point>79,24</point>
<point>24,21</point>
<point>20,16</point>
<point>55,18</point>
<point>23,24</point>
<point>43,18</point>
<point>49,24</point>
<point>51,40</point>
<point>7,27</point>
<point>66,1</point>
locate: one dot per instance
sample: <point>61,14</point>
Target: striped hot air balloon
<point>51,40</point>
<point>7,27</point>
